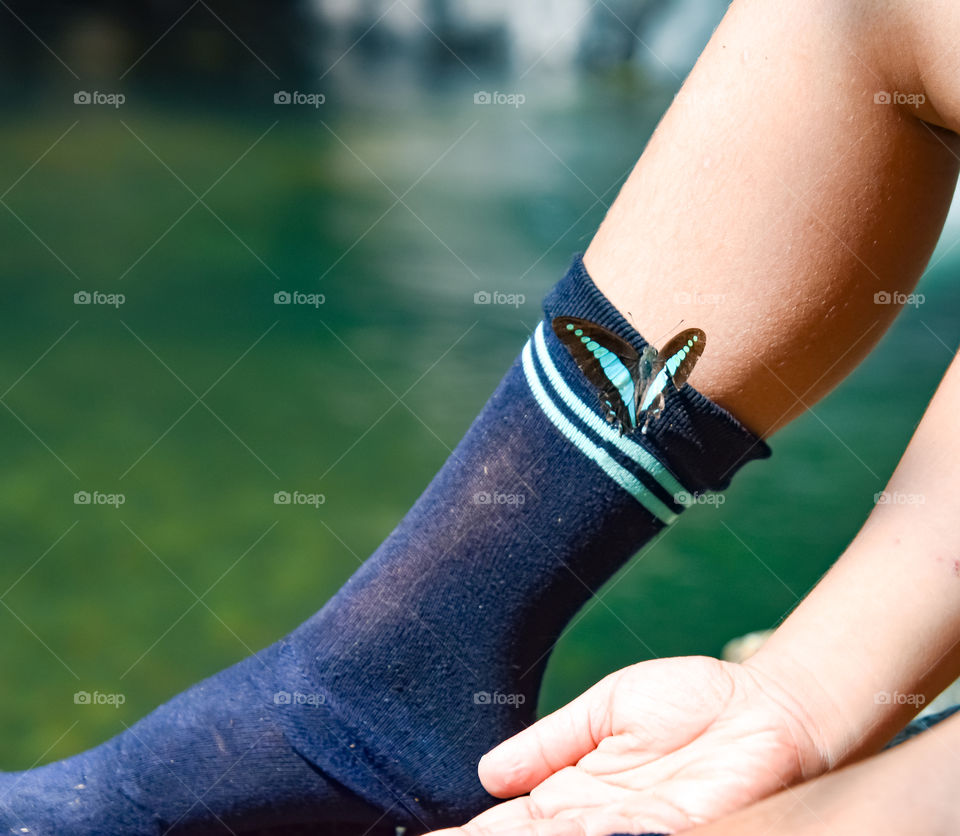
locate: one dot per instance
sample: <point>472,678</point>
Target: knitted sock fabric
<point>377,709</point>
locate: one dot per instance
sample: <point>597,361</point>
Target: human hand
<point>657,747</point>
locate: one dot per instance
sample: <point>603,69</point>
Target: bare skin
<point>822,692</point>
<point>911,789</point>
<point>775,200</point>
<point>779,194</point>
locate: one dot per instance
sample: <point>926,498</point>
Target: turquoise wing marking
<point>657,385</point>
<point>609,362</point>
<point>673,365</point>
<point>631,386</point>
<point>619,375</point>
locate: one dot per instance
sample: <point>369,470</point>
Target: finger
<point>571,790</point>
<point>522,817</point>
<point>594,804</point>
<point>554,827</point>
<point>588,824</point>
<point>517,811</point>
<point>560,739</point>
<point>603,823</point>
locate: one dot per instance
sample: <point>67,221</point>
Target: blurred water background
<point>398,199</point>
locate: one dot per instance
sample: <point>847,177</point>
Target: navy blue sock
<point>377,709</point>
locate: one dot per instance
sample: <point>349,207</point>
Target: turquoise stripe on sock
<point>623,477</point>
<point>639,454</point>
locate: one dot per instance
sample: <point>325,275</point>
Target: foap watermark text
<point>686,498</point>
<point>896,698</point>
<point>97,97</point>
<point>885,97</point>
<point>285,97</point>
<point>98,498</point>
<point>95,297</point>
<point>486,297</point>
<point>482,97</point>
<point>315,500</point>
<point>295,297</point>
<point>98,698</point>
<point>298,698</point>
<point>498,698</point>
<point>495,498</point>
<point>885,297</point>
<point>899,498</point>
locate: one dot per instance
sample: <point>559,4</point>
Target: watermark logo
<point>98,698</point>
<point>497,698</point>
<point>482,97</point>
<point>885,297</point>
<point>686,498</point>
<point>898,498</point>
<point>98,498</point>
<point>298,498</point>
<point>494,498</point>
<point>298,698</point>
<point>286,297</point>
<point>95,297</point>
<point>486,297</point>
<point>883,97</point>
<point>896,698</point>
<point>682,297</point>
<point>284,97</point>
<point>85,97</point>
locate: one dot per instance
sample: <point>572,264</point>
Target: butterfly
<point>632,386</point>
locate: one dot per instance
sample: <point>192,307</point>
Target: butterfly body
<point>632,386</point>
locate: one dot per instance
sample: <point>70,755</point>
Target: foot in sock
<point>212,760</point>
<point>378,708</point>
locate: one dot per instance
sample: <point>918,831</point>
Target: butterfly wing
<point>672,367</point>
<point>609,362</point>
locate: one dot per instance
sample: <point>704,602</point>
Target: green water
<point>295,398</point>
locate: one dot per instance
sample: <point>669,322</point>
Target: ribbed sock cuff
<point>700,442</point>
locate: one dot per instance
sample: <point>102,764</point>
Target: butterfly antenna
<point>670,331</point>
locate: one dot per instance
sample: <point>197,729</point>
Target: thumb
<point>559,740</point>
